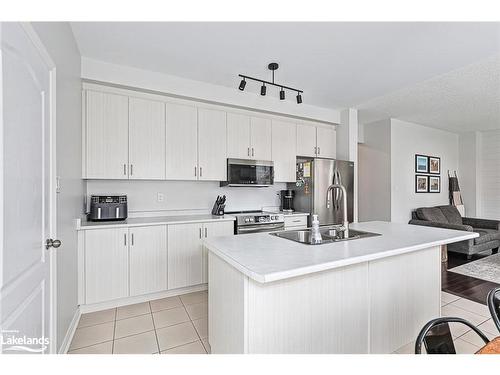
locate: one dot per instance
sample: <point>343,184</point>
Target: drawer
<point>295,221</point>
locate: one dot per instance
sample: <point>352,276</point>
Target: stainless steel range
<point>258,221</point>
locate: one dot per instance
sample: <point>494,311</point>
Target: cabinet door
<point>106,135</point>
<point>182,142</point>
<point>148,259</point>
<point>146,139</point>
<point>106,264</point>
<point>212,145</point>
<point>238,136</point>
<point>327,142</point>
<point>214,229</point>
<point>260,138</point>
<point>184,255</point>
<point>306,140</point>
<point>284,151</point>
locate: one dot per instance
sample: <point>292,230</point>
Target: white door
<point>106,135</point>
<point>146,139</point>
<point>327,142</point>
<point>182,142</point>
<point>212,152</point>
<point>260,138</point>
<point>148,259</point>
<point>306,140</point>
<point>106,264</point>
<point>213,229</point>
<point>184,255</point>
<point>28,199</point>
<point>284,151</point>
<point>238,136</point>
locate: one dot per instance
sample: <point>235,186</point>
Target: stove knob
<point>247,220</point>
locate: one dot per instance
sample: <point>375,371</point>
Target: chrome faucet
<point>345,221</point>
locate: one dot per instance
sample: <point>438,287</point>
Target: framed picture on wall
<point>434,165</point>
<point>421,183</point>
<point>434,184</point>
<point>421,164</point>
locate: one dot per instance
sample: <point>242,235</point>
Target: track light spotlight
<point>242,84</point>
<point>263,90</point>
<point>282,94</point>
<point>299,98</point>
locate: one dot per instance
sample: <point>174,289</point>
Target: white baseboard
<point>63,349</point>
<point>139,299</point>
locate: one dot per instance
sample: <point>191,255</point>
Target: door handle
<point>248,151</point>
<point>195,171</point>
<point>319,150</point>
<point>201,171</point>
<point>200,232</point>
<point>206,232</point>
<point>252,151</point>
<point>315,150</point>
<point>131,169</point>
<point>132,239</point>
<point>125,239</point>
<point>124,169</point>
<point>52,243</point>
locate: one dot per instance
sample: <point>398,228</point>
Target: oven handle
<point>260,228</point>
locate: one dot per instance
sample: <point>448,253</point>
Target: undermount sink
<point>328,234</point>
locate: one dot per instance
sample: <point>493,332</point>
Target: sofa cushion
<point>431,214</point>
<point>486,235</point>
<point>451,213</point>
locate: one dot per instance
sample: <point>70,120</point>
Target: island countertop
<point>266,258</point>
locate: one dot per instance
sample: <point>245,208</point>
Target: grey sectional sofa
<point>449,217</point>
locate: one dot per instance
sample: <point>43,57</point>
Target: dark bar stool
<point>493,301</point>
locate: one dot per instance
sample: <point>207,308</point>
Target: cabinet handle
<point>319,151</point>
<point>131,169</point>
<point>252,151</point>
<point>125,239</point>
<point>200,232</point>
<point>205,232</point>
<point>132,239</point>
<point>315,151</point>
<point>201,171</point>
<point>195,171</point>
<point>124,169</point>
<point>248,151</point>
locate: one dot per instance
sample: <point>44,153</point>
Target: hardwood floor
<point>461,285</point>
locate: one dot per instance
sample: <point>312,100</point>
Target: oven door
<point>242,172</point>
<point>260,228</point>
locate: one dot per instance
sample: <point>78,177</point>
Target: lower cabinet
<point>148,259</point>
<point>106,264</point>
<point>126,262</point>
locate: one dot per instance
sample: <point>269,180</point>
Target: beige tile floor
<point>466,341</point>
<point>174,325</point>
<point>178,325</point>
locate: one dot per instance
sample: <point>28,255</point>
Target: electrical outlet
<point>160,197</point>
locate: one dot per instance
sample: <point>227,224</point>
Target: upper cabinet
<point>146,139</point>
<point>248,137</point>
<point>182,142</point>
<point>212,151</point>
<point>106,135</point>
<point>260,138</point>
<point>284,151</point>
<point>316,141</point>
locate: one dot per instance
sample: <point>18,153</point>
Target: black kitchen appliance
<point>245,172</point>
<point>108,207</point>
<point>287,200</point>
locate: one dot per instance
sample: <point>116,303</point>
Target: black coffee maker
<point>287,200</point>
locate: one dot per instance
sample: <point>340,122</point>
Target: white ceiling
<point>377,67</point>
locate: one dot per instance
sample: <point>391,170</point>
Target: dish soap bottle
<point>315,234</point>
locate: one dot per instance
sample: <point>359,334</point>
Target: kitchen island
<point>370,295</point>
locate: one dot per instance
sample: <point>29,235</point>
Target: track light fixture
<point>263,89</point>
<point>243,83</point>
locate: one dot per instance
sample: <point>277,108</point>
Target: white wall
<point>186,196</point>
<point>374,157</point>
<point>468,161</point>
<point>489,174</point>
<point>408,139</point>
<point>58,39</point>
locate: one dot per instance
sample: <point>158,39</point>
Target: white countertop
<point>265,258</point>
<point>156,220</point>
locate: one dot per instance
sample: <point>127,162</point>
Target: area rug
<point>485,269</point>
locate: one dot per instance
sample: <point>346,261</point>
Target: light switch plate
<point>160,197</point>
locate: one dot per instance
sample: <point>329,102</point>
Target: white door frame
<point>30,31</point>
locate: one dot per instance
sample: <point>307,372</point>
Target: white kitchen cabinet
<point>284,150</point>
<point>184,255</point>
<point>182,142</point>
<point>293,222</point>
<point>148,259</point>
<point>238,136</point>
<point>306,140</point>
<point>326,142</point>
<point>212,153</point>
<point>214,229</point>
<point>260,138</point>
<point>146,139</point>
<point>106,138</point>
<point>106,264</point>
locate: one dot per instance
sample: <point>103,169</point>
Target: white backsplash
<point>185,197</point>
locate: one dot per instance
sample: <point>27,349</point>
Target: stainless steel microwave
<point>244,172</point>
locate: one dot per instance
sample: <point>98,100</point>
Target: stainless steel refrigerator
<point>314,176</point>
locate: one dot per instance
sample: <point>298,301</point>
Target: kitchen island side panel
<point>227,291</point>
<point>324,312</point>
